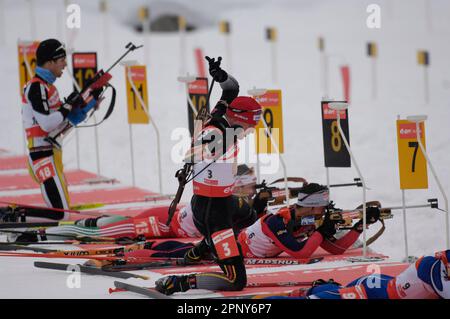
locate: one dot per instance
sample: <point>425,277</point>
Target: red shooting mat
<point>343,275</point>
<point>24,181</point>
<point>105,196</point>
<point>207,268</point>
<point>13,162</point>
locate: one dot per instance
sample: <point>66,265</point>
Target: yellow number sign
<point>272,113</point>
<point>27,59</point>
<point>412,162</point>
<point>136,112</point>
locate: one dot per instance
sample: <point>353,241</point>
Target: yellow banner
<point>136,112</point>
<point>423,58</point>
<point>224,27</point>
<point>181,23</point>
<point>143,14</point>
<point>271,34</point>
<point>272,113</point>
<point>372,49</point>
<point>411,160</point>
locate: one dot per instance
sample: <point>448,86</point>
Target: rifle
<point>99,81</point>
<point>277,195</point>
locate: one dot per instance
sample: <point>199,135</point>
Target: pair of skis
<point>87,270</point>
<point>152,293</point>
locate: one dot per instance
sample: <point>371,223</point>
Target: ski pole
<point>62,210</point>
<point>250,285</point>
<point>131,47</point>
<point>182,174</point>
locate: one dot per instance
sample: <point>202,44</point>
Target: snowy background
<point>404,30</point>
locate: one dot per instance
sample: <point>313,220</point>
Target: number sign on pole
<point>335,152</point>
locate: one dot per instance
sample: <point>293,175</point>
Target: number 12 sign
<point>412,162</point>
<point>27,59</point>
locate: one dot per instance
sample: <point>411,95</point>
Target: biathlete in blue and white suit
<point>427,278</point>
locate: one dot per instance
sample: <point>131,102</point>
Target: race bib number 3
<point>225,244</point>
<point>44,172</point>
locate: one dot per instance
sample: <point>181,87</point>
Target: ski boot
<point>11,214</point>
<point>88,222</point>
<point>320,285</point>
<point>171,284</point>
<point>197,253</point>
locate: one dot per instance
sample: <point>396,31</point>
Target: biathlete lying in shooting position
<point>292,231</point>
<point>151,223</point>
<point>427,278</point>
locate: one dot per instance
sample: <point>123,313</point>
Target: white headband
<point>242,180</point>
<point>318,199</point>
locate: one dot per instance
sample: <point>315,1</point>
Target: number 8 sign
<point>412,162</point>
<point>335,152</point>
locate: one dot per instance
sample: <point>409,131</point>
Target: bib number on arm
<point>45,171</point>
<point>356,292</point>
<point>225,244</point>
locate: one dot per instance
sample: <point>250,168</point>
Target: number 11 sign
<point>412,162</point>
<point>136,112</point>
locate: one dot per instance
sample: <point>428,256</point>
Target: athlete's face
<point>309,211</point>
<point>57,66</point>
<point>245,191</point>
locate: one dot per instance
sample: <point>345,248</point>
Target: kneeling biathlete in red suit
<point>213,183</point>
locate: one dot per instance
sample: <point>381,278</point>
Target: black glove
<point>260,202</point>
<point>96,93</point>
<point>196,253</point>
<point>328,227</point>
<point>219,110</point>
<point>320,282</point>
<point>75,100</point>
<point>372,216</point>
<point>216,72</point>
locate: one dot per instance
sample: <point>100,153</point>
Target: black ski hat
<point>50,49</point>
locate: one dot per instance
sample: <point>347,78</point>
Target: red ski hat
<point>244,109</point>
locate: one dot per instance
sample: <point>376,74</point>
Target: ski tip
<point>315,260</point>
<point>113,290</point>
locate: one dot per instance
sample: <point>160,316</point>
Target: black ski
<point>87,270</point>
<point>14,246</point>
<point>28,225</point>
<point>177,262</point>
<point>149,292</point>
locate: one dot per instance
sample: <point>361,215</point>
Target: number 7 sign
<point>412,162</point>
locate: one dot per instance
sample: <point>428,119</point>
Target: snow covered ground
<point>342,23</point>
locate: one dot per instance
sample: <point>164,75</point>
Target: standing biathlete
<point>214,177</point>
<point>43,113</point>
